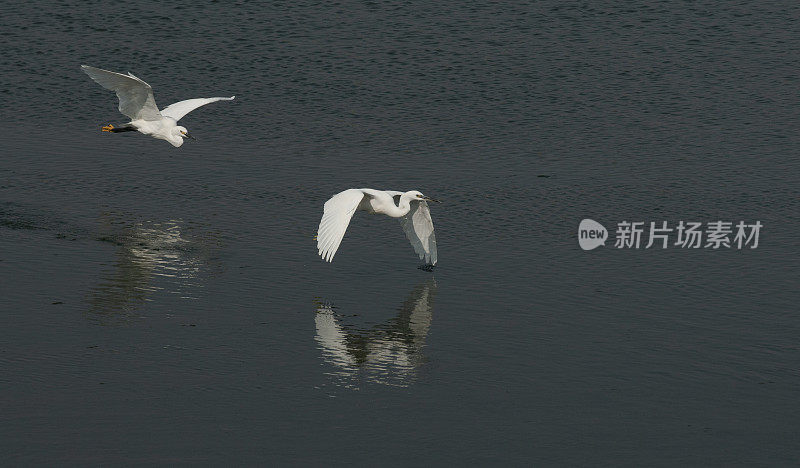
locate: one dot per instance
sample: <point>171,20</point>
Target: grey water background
<point>166,306</point>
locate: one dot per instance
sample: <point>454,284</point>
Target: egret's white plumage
<point>411,208</point>
<point>136,101</point>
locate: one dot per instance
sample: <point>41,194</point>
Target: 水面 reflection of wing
<point>388,353</point>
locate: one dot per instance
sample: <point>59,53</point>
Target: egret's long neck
<point>402,209</point>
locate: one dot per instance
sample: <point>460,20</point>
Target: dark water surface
<point>167,306</point>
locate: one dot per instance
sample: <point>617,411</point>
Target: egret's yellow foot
<point>108,128</point>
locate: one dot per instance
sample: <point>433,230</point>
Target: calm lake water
<point>167,306</point>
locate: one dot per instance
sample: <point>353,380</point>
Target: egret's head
<point>183,132</point>
<point>417,195</point>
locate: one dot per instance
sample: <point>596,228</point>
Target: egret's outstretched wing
<point>135,96</point>
<point>338,212</point>
<point>418,227</point>
<point>181,108</point>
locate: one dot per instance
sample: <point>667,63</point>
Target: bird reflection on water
<point>388,354</point>
<point>152,257</point>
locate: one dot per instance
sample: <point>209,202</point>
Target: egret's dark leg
<point>129,128</point>
<point>113,129</point>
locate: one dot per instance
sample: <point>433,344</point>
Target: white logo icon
<point>591,234</point>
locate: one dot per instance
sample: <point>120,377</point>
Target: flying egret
<point>136,101</point>
<point>411,209</point>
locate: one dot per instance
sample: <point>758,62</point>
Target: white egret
<point>411,208</point>
<point>136,101</point>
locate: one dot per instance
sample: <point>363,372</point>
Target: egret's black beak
<point>189,136</point>
<point>431,199</point>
